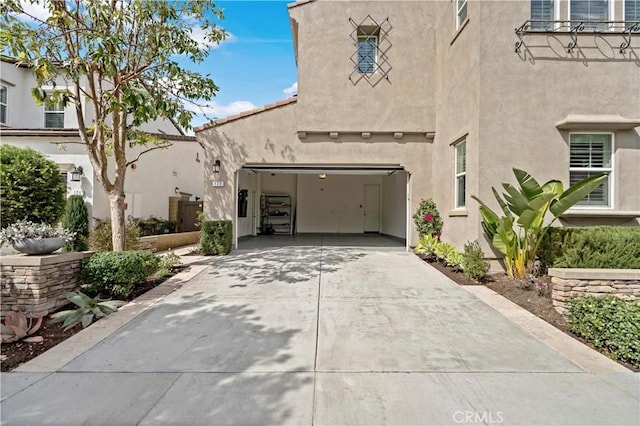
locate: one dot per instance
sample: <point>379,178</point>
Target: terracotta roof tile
<point>246,114</point>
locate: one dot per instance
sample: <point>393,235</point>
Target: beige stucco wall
<point>507,104</point>
<point>328,100</point>
<point>457,118</point>
<point>539,87</point>
<point>465,83</point>
<point>271,137</point>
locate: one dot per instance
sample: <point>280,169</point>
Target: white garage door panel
<point>333,204</point>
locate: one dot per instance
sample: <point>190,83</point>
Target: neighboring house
<point>153,186</point>
<point>400,101</point>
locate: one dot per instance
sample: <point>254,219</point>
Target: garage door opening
<point>320,199</point>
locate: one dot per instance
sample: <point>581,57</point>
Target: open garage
<point>330,199</point>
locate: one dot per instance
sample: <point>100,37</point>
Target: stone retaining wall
<point>156,243</point>
<point>36,284</point>
<point>569,282</point>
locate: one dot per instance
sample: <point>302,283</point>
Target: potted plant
<point>35,238</point>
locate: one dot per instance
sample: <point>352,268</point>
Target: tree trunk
<point>116,203</point>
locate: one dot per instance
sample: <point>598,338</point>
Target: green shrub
<point>427,218</point>
<point>115,274</point>
<point>76,219</point>
<point>611,247</point>
<point>216,237</point>
<point>155,226</point>
<point>609,323</point>
<point>100,238</point>
<point>473,264</point>
<point>31,187</point>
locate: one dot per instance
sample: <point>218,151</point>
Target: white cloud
<point>291,90</point>
<point>197,34</point>
<point>214,110</point>
<point>36,10</point>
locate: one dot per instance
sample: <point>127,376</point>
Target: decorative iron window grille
<point>371,42</point>
<point>625,29</point>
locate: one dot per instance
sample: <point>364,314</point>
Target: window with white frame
<point>461,174</point>
<point>591,10</point>
<point>3,104</point>
<point>53,115</point>
<point>631,12</point>
<point>367,49</point>
<point>461,12</point>
<point>542,10</point>
<point>592,154</point>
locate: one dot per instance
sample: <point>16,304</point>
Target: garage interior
<point>322,199</point>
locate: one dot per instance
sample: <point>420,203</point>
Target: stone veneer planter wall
<point>570,282</point>
<point>36,284</point>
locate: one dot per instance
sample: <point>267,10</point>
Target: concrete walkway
<point>319,331</point>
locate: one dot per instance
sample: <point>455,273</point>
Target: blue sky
<point>256,65</point>
<point>253,67</point>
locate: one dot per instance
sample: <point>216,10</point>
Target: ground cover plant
<point>608,323</point>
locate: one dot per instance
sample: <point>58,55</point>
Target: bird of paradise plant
<point>517,234</point>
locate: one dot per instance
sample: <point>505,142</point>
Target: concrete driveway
<point>323,330</point>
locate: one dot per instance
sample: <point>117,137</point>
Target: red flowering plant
<point>427,218</point>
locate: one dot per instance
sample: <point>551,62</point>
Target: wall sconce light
<point>197,157</point>
<point>76,174</point>
<point>322,175</point>
<point>216,166</point>
<point>177,190</point>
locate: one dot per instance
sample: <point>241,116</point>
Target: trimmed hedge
<point>115,274</point>
<point>216,237</point>
<point>609,323</point>
<point>607,247</point>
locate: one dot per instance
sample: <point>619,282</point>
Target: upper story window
<point>53,115</point>
<point>461,174</point>
<point>542,10</point>
<point>367,49</point>
<point>591,10</point>
<point>461,12</point>
<point>3,104</point>
<point>631,12</point>
<point>592,154</point>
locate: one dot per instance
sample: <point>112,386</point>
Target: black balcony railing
<point>624,29</point>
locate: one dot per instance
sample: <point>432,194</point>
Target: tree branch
<point>164,145</point>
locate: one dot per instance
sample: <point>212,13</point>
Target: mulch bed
<point>17,353</point>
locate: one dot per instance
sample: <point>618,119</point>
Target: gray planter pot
<point>39,245</point>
